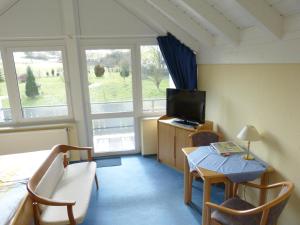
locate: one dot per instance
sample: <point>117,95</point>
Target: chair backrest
<point>50,179</point>
<point>204,138</point>
<point>278,204</point>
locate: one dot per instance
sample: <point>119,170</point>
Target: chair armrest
<point>46,201</point>
<point>65,148</point>
<point>233,211</point>
<point>264,186</point>
<point>50,202</point>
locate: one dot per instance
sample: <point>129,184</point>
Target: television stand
<point>187,123</point>
<point>172,137</point>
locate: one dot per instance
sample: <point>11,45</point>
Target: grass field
<point>111,87</point>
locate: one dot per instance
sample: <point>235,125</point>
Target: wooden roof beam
<point>186,23</point>
<point>266,16</point>
<point>158,22</point>
<point>212,17</point>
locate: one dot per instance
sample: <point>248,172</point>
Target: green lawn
<point>52,92</point>
<point>3,92</point>
<point>111,87</point>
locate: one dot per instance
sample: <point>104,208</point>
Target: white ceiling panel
<point>231,10</point>
<point>6,4</point>
<point>285,7</point>
<point>194,16</point>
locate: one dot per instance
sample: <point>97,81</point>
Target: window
<point>109,77</point>
<point>41,83</point>
<point>5,110</point>
<point>155,79</point>
<point>109,80</point>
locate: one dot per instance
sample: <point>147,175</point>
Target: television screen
<point>186,104</point>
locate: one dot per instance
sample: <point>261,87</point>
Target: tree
<point>154,67</point>
<point>1,76</point>
<point>124,70</point>
<point>31,88</point>
<point>155,75</point>
<point>112,59</point>
<point>99,70</point>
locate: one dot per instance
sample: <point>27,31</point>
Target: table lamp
<point>248,133</point>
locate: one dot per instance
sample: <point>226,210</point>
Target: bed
<point>15,169</point>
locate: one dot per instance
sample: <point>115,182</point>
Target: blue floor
<point>144,192</point>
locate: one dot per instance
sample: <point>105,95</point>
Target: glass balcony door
<point>109,81</point>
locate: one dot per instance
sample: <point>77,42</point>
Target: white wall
<point>97,18</point>
<point>108,18</point>
<point>32,18</point>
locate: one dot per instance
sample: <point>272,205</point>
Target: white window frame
<point>136,101</point>
<point>13,87</point>
<point>138,113</point>
<point>7,82</point>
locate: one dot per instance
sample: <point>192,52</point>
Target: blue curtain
<point>180,60</point>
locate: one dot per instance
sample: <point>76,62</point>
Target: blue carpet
<point>108,161</point>
<point>144,192</point>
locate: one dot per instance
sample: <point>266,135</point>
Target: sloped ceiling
<point>205,20</point>
<point>201,22</point>
<point>6,5</point>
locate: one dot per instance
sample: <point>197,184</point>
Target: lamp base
<point>248,157</point>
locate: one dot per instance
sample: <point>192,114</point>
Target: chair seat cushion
<point>75,185</point>
<point>238,204</point>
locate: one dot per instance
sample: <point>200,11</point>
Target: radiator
<point>31,140</point>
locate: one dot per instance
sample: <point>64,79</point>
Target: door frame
<point>136,95</point>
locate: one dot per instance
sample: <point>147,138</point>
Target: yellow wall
<point>268,97</point>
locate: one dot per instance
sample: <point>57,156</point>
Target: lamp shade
<point>248,133</point>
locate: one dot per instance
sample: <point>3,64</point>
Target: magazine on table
<point>226,147</point>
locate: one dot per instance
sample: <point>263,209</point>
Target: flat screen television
<point>187,105</point>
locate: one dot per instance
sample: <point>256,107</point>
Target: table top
<point>209,173</point>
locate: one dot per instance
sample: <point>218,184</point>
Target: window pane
<point>112,135</point>
<point>155,79</point>
<point>41,83</point>
<point>110,80</point>
<point>5,110</point>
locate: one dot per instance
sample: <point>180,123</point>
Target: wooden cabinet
<point>166,137</point>
<point>181,140</point>
<point>172,137</point>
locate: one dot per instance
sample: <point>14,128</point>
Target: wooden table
<point>211,177</point>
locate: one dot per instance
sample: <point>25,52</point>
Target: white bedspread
<point>15,170</point>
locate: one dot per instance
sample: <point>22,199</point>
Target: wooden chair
<point>236,211</point>
<point>202,138</point>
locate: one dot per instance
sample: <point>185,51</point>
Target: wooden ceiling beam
<point>266,16</point>
<point>213,18</point>
<point>158,22</point>
<point>185,22</point>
